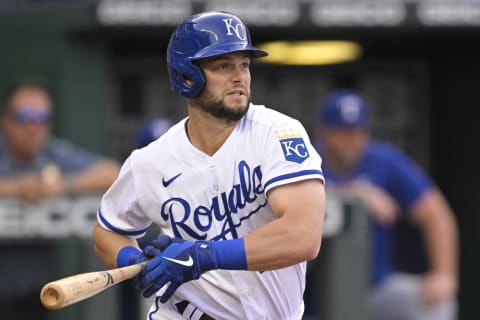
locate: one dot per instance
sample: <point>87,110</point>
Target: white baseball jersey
<point>192,195</point>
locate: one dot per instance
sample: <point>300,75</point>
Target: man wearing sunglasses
<point>35,165</point>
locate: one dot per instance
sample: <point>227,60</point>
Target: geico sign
<point>55,218</point>
<point>67,217</point>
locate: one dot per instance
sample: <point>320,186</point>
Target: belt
<point>189,311</point>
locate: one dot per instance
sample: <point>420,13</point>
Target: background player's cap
<point>151,130</point>
<point>344,108</point>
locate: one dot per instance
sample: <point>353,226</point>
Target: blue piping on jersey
<point>157,306</point>
<point>292,175</point>
<point>119,231</point>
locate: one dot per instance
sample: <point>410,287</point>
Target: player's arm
<point>108,244</point>
<point>97,178</point>
<point>117,247</point>
<point>27,187</point>
<point>436,220</point>
<point>296,234</point>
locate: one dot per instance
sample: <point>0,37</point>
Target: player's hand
<point>152,251</point>
<point>380,204</point>
<point>160,244</point>
<point>129,255</point>
<point>52,189</point>
<point>28,188</point>
<point>178,263</point>
<point>438,287</point>
<point>137,258</point>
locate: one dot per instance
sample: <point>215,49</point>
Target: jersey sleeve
<point>407,181</point>
<point>289,155</point>
<point>119,209</point>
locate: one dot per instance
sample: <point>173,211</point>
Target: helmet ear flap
<point>187,81</point>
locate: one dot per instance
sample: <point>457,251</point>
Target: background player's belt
<point>188,310</point>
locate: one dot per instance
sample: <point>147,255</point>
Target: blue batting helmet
<point>201,36</point>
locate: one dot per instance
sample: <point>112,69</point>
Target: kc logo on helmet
<point>238,29</point>
<point>293,146</point>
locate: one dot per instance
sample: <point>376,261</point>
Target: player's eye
<point>245,65</point>
<point>222,67</point>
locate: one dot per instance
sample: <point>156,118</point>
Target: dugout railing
<point>337,279</point>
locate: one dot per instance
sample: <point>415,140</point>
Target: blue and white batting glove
<point>131,255</point>
<point>160,244</point>
<point>179,263</point>
<point>185,261</point>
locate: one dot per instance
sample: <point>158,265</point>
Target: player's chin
<point>236,102</point>
<point>233,113</point>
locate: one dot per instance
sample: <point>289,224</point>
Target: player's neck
<point>207,133</point>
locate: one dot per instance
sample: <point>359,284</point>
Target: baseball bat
<point>64,292</point>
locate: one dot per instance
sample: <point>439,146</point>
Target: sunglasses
<point>27,115</point>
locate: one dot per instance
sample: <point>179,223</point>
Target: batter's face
<point>227,91</point>
<point>26,122</point>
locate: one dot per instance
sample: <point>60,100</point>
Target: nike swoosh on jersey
<point>166,183</point>
<point>186,263</point>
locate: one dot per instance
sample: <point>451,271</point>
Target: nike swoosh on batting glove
<point>179,262</point>
<point>131,255</point>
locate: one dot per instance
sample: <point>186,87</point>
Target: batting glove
<point>178,263</point>
<point>131,255</point>
<point>160,244</point>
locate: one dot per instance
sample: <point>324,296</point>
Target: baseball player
<point>391,185</point>
<point>236,189</point>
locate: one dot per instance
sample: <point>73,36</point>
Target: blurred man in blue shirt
<point>35,166</point>
<point>390,185</point>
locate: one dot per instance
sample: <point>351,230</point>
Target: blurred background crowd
<point>84,82</point>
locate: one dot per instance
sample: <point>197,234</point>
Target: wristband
<point>231,254</point>
<point>124,256</point>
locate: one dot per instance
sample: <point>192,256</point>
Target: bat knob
<point>50,297</point>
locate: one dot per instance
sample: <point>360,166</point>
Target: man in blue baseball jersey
<point>390,184</point>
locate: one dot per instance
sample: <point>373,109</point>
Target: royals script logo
<point>238,29</point>
<point>224,213</point>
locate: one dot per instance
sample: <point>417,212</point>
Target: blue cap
<point>151,130</point>
<point>344,108</point>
